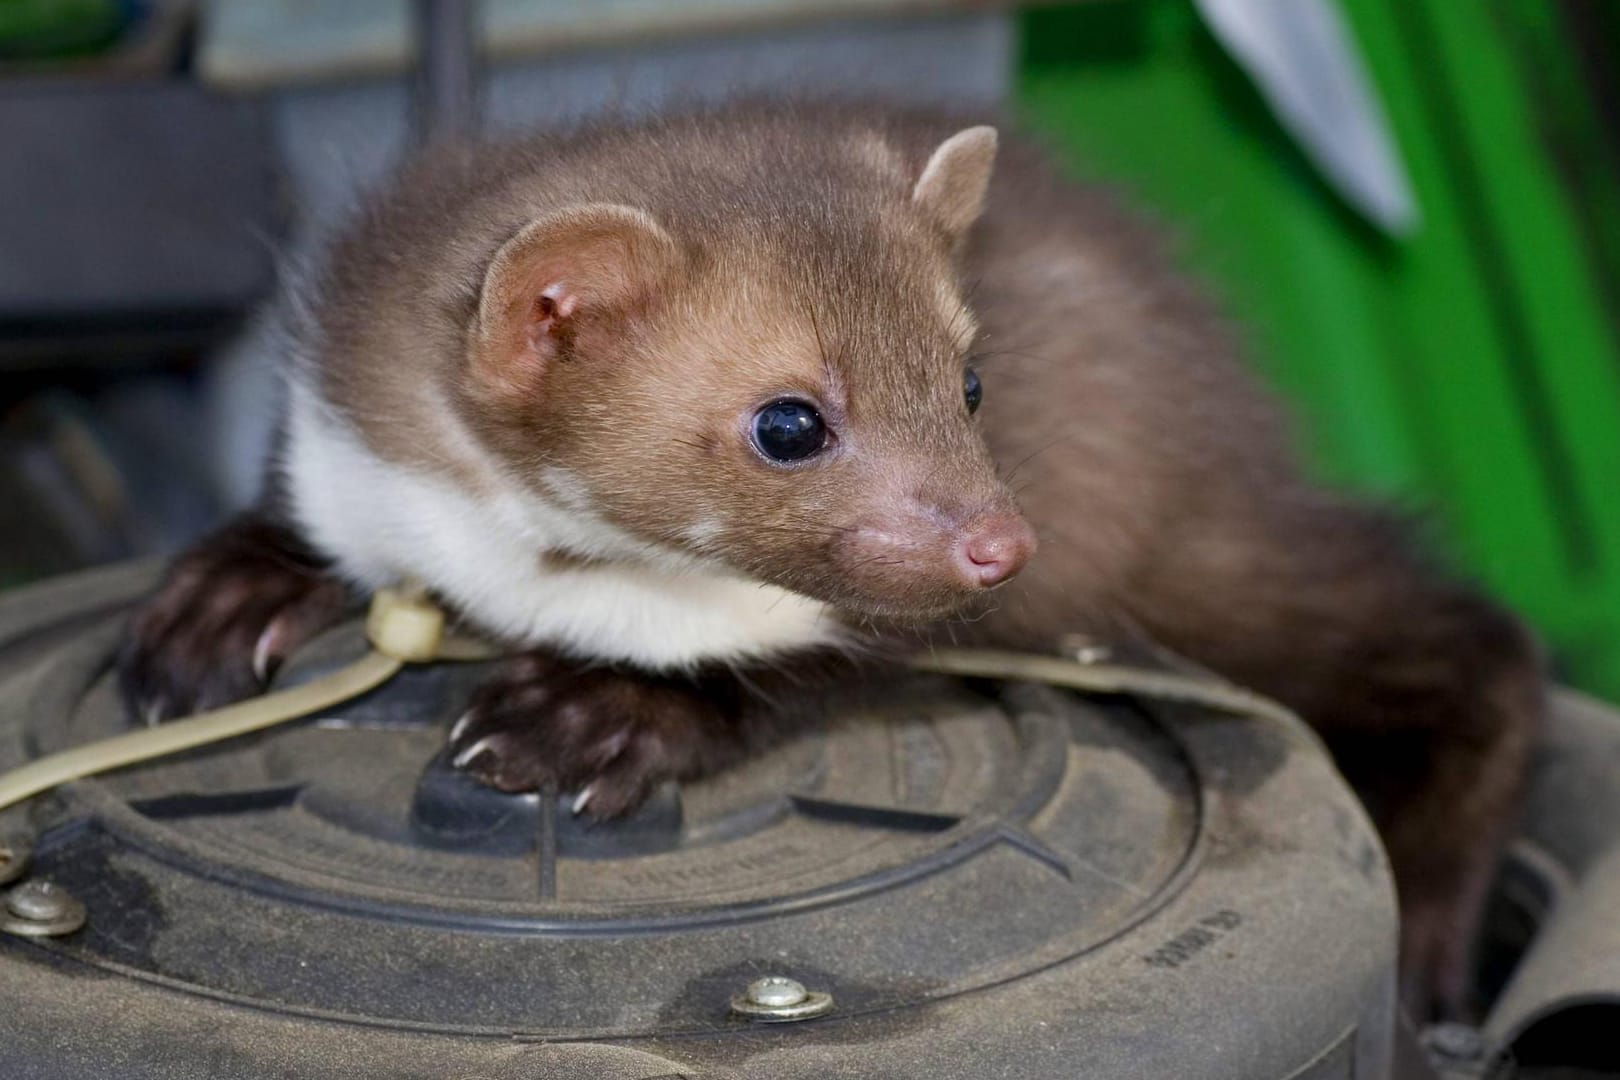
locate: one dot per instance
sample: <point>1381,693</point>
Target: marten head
<point>772,376</point>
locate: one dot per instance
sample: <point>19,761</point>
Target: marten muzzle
<point>921,559</point>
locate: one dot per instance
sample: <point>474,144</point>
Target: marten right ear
<point>585,260</point>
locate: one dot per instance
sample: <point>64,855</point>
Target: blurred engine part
<point>149,225</point>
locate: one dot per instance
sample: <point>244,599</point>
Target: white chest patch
<point>640,605</point>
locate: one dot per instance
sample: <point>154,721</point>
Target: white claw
<point>460,727</point>
<point>582,800</point>
<point>152,713</point>
<point>261,653</point>
<point>463,759</point>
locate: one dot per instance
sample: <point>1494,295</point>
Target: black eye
<point>789,431</point>
<point>972,389</point>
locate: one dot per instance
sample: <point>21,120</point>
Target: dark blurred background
<point>1411,205</point>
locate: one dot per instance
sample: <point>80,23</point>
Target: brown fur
<point>803,268</point>
<point>616,734</point>
<point>1157,476</point>
<point>253,588</point>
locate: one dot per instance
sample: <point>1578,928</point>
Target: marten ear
<point>591,260</point>
<point>952,186</point>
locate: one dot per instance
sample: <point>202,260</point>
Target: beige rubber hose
<point>403,627</point>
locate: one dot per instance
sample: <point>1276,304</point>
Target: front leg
<point>228,612</point>
<point>610,735</point>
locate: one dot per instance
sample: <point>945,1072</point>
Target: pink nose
<point>995,550</point>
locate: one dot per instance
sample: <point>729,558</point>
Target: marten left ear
<point>601,258</point>
<point>952,186</point>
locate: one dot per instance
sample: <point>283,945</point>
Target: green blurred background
<point>1469,370</point>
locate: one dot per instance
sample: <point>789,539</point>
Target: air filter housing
<point>1001,882</point>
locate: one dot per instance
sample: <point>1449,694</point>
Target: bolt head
<point>42,901</point>
<point>777,999</point>
<point>776,991</point>
<point>40,909</point>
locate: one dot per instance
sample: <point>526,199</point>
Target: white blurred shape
<point>1303,58</point>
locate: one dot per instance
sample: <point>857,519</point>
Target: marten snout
<point>994,550</point>
<point>923,560</point>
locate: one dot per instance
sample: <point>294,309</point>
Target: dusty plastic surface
<point>1030,886</point>
<point>1562,1006</point>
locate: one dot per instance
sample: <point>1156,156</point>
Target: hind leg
<point>1430,695</point>
<point>1438,744</point>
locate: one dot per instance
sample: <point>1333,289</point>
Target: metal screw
<point>777,999</point>
<point>13,860</point>
<point>41,908</point>
<point>776,991</point>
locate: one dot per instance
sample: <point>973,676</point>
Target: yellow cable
<point>47,772</point>
<point>1105,678</point>
<point>403,627</point>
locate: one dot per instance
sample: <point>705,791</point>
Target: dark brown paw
<point>610,737</point>
<point>228,613</point>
